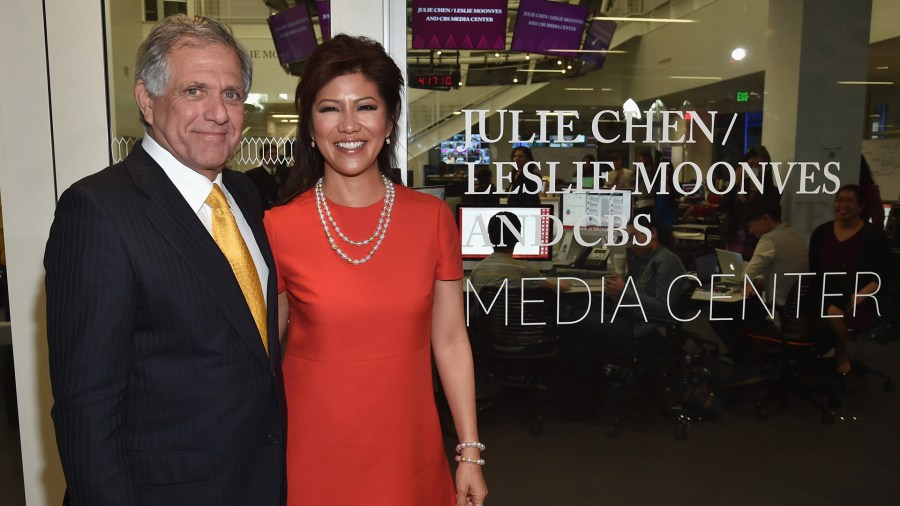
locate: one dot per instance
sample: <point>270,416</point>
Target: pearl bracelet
<point>475,444</point>
<point>479,462</point>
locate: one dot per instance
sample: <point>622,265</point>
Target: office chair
<point>517,345</point>
<point>798,350</point>
<point>672,375</point>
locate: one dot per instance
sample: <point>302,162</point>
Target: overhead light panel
<point>605,51</point>
<point>698,78</point>
<point>647,20</point>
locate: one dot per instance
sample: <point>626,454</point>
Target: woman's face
<point>846,205</point>
<point>519,157</point>
<point>350,124</point>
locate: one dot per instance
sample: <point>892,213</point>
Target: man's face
<point>200,116</point>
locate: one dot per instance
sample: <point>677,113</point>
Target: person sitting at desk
<point>652,267</point>
<point>500,266</point>
<point>780,250</point>
<point>483,179</point>
<point>853,246</point>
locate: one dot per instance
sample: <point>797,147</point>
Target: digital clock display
<point>433,78</point>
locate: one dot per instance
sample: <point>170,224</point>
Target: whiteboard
<point>884,160</point>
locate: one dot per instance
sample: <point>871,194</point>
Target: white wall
<point>41,145</point>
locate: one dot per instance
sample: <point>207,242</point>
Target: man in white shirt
<point>781,251</point>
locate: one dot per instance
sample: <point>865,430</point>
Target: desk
<point>704,295</point>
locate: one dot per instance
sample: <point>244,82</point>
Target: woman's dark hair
<point>339,56</point>
<point>524,149</point>
<point>865,173</point>
<point>758,152</point>
<point>857,191</point>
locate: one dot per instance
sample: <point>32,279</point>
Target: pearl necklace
<point>380,230</point>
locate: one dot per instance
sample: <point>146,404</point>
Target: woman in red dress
<point>369,289</point>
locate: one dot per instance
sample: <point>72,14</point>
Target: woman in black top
<point>848,245</point>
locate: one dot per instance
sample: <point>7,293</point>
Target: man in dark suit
<point>164,358</point>
<point>269,176</point>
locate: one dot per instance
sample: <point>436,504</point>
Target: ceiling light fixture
<point>630,108</point>
<point>606,51</point>
<point>738,54</point>
<point>867,82</point>
<point>699,78</point>
<point>648,20</point>
<point>579,89</point>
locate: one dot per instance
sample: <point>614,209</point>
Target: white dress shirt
<point>195,188</point>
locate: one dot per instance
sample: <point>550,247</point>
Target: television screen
<point>454,151</point>
<point>293,34</point>
<point>459,24</point>
<point>596,210</point>
<point>537,229</point>
<point>495,73</point>
<point>543,26</point>
<point>599,37</point>
<point>437,191</point>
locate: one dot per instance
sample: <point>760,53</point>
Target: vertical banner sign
<point>293,34</point>
<point>324,7</point>
<point>599,37</point>
<point>459,24</point>
<point>542,25</point>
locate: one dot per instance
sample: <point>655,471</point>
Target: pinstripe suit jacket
<point>163,392</point>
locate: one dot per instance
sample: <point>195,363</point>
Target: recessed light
<point>738,54</point>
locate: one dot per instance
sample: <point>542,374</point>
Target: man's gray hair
<point>172,32</point>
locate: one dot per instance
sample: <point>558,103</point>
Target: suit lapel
<point>178,223</point>
<point>242,199</point>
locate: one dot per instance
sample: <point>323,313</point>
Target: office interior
<point>819,82</point>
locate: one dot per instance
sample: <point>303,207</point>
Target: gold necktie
<point>228,237</point>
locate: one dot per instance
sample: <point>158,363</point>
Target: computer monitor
<point>437,191</point>
<point>594,210</point>
<point>587,182</point>
<point>692,191</point>
<point>537,232</point>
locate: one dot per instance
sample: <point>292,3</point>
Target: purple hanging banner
<point>459,24</point>
<point>542,25</point>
